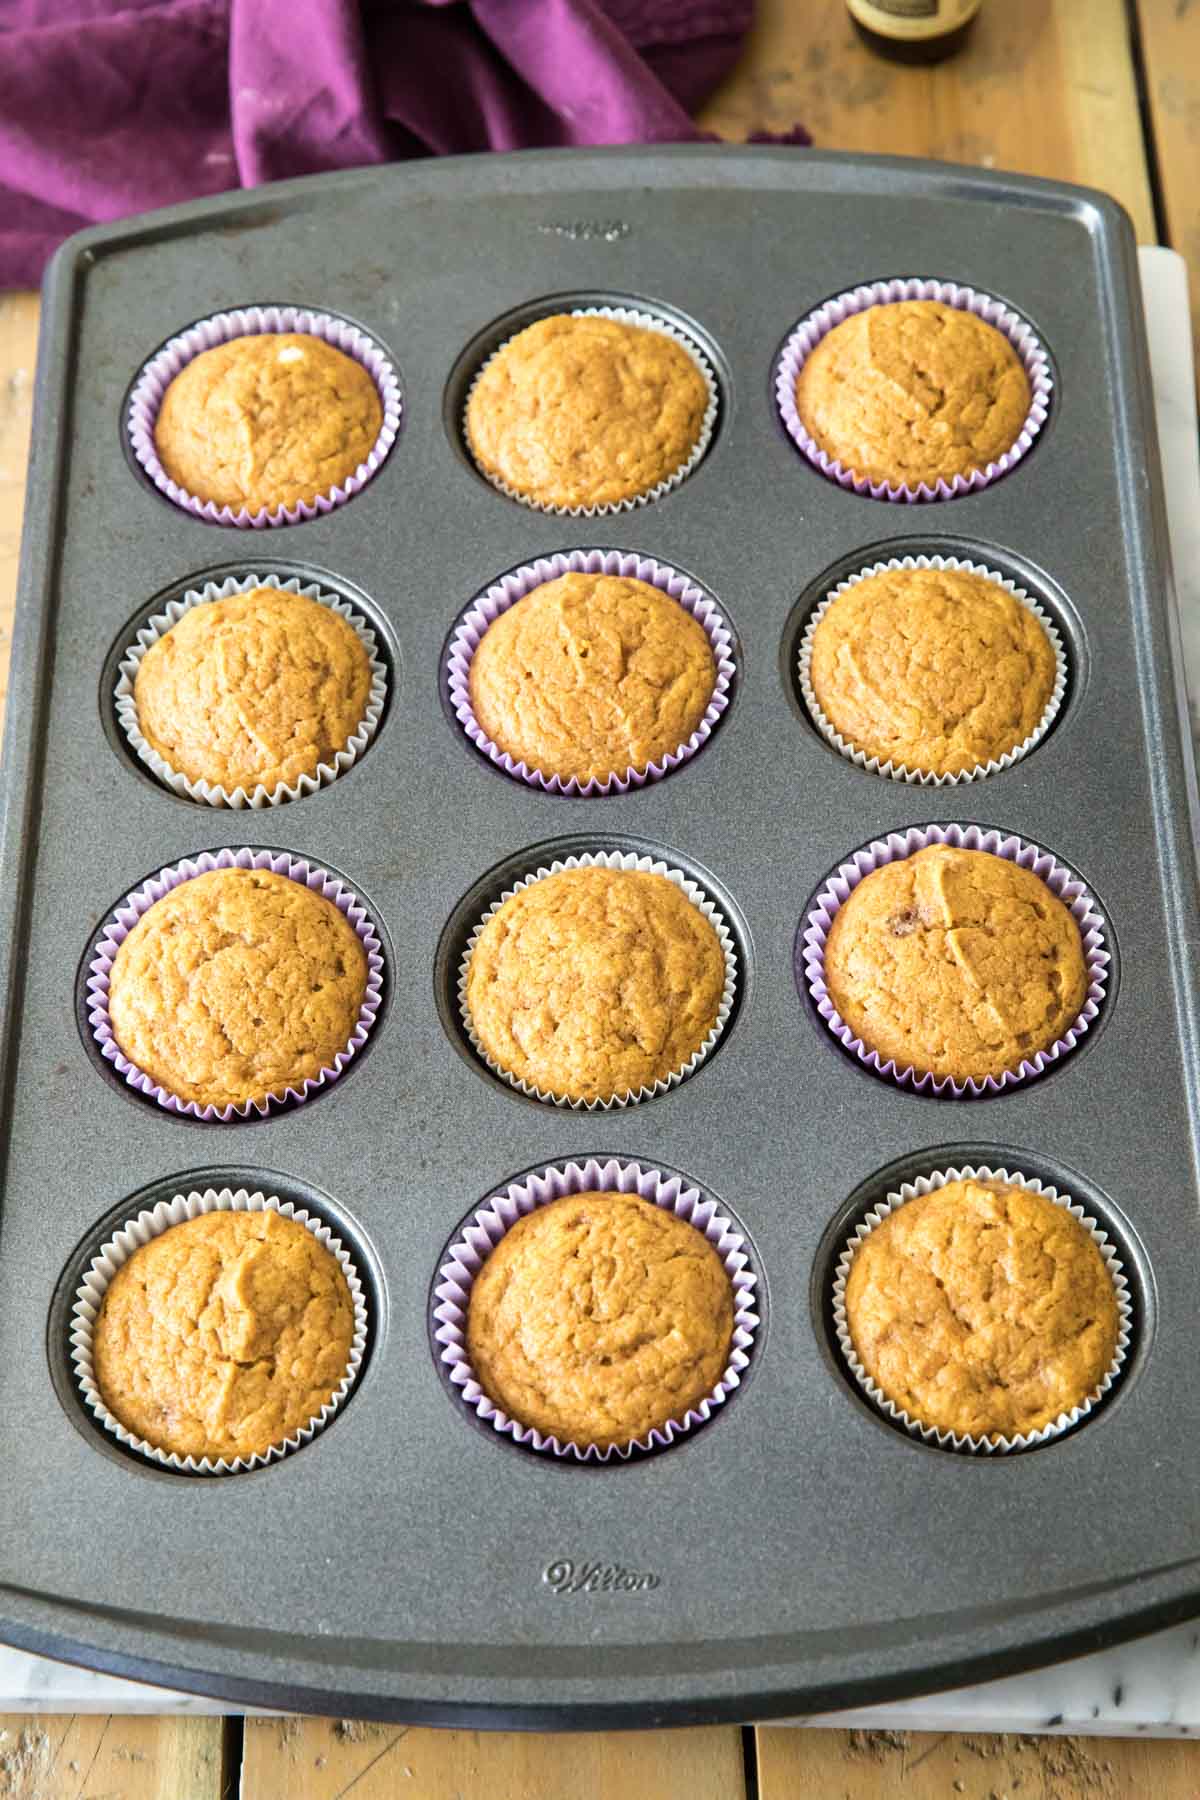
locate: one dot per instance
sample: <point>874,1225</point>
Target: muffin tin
<point>796,1551</point>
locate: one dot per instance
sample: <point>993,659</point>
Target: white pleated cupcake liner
<point>807,335</point>
<point>952,1440</point>
<point>896,847</point>
<point>117,1251</point>
<point>213,794</point>
<point>467,1255</point>
<point>875,765</point>
<point>513,587</point>
<point>126,915</point>
<point>623,315</point>
<point>643,865</point>
<point>252,321</point>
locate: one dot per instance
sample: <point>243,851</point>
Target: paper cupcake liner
<point>900,771</point>
<point>895,847</point>
<point>624,315</point>
<point>808,334</point>
<point>603,859</point>
<point>249,321</point>
<point>210,794</point>
<point>467,1255</point>
<point>513,587</point>
<point>126,915</point>
<point>121,1246</point>
<point>952,1440</point>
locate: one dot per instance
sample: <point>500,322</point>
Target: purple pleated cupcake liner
<point>624,315</point>
<point>874,765</point>
<point>213,794</point>
<point>953,1440</point>
<point>252,321</point>
<point>624,860</point>
<point>467,1255</point>
<point>895,847</point>
<point>808,334</point>
<point>117,1251</point>
<point>135,904</point>
<point>513,587</point>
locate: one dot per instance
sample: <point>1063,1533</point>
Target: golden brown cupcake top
<point>224,1335</point>
<point>913,391</point>
<point>956,963</point>
<point>235,985</point>
<point>595,982</point>
<point>585,411</point>
<point>598,1317</point>
<point>591,676</point>
<point>937,669</point>
<point>982,1308</point>
<point>267,421</point>
<point>255,689</point>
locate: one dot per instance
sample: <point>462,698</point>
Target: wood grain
<point>18,351</point>
<point>90,1757</point>
<point>1045,87</point>
<point>322,1759</point>
<point>1170,38</point>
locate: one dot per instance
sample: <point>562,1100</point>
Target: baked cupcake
<point>955,963</point>
<point>591,676</point>
<point>594,984</point>
<point>939,671</point>
<point>254,689</point>
<point>982,1308</point>
<point>913,391</point>
<point>581,411</point>
<point>223,1336</point>
<point>598,1318</point>
<point>267,421</point>
<point>235,986</point>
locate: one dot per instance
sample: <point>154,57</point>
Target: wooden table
<point>1096,91</point>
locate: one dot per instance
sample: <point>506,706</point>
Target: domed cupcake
<point>267,421</point>
<point>590,676</point>
<point>982,1308</point>
<point>600,1317</point>
<point>581,412</point>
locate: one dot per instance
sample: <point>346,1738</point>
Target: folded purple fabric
<point>112,107</point>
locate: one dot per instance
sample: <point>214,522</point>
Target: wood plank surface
<point>90,1757</point>
<point>18,350</point>
<point>322,1759</point>
<point>1170,40</point>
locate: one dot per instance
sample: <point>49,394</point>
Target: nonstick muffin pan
<point>796,1551</point>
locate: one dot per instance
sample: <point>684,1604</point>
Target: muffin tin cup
<point>804,339</point>
<point>952,1440</point>
<point>610,860</point>
<point>467,1255</point>
<point>209,794</point>
<point>874,765</point>
<point>135,904</point>
<point>624,315</point>
<point>897,846</point>
<point>251,321</point>
<point>113,1254</point>
<point>510,588</point>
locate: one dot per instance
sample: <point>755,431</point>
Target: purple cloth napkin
<point>111,107</point>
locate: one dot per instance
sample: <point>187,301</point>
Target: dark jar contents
<point>914,31</point>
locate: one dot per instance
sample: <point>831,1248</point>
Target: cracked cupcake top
<point>578,410</point>
<point>255,689</point>
<point>236,985</point>
<point>267,421</point>
<point>591,676</point>
<point>955,963</point>
<point>593,983</point>
<point>224,1335</point>
<point>913,391</point>
<point>598,1317</point>
<point>982,1308</point>
<point>941,670</point>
